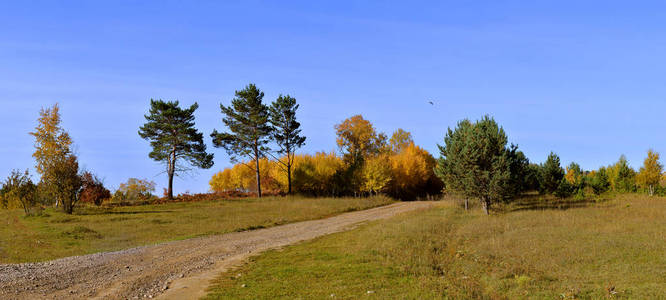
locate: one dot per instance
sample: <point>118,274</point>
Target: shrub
<point>18,191</point>
<point>134,190</point>
<point>564,189</point>
<point>598,181</point>
<point>93,190</point>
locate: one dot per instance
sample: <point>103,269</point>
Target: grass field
<point>93,229</point>
<point>612,249</point>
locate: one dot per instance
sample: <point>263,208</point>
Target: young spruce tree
<point>170,130</point>
<point>248,121</point>
<point>551,174</point>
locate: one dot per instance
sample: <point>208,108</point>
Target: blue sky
<point>585,80</point>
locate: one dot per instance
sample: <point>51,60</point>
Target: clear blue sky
<point>585,80</point>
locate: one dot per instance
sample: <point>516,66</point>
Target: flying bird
<point>431,103</point>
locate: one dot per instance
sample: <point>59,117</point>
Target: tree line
<point>175,141</point>
<point>369,163</point>
<point>476,161</point>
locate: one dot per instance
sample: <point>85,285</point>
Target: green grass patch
<point>611,250</point>
<point>93,229</point>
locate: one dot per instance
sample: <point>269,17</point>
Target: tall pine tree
<point>170,130</point>
<point>248,121</point>
<point>286,131</point>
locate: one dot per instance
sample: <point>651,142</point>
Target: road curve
<point>173,270</point>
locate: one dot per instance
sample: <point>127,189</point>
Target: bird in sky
<point>431,103</point>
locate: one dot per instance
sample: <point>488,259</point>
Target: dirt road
<point>174,270</point>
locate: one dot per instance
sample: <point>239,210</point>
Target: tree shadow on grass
<point>547,202</point>
<point>97,213</point>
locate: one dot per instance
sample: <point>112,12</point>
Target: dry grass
<point>611,249</point>
<point>93,229</point>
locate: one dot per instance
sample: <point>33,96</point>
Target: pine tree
<point>170,130</point>
<point>248,120</point>
<point>476,162</point>
<point>286,131</point>
<point>551,174</point>
<point>621,176</point>
<point>598,180</point>
<point>451,163</point>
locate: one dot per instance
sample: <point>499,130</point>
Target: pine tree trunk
<point>256,161</point>
<point>171,170</point>
<point>170,188</point>
<point>289,179</point>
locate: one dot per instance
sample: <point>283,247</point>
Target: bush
<point>564,189</point>
<point>134,190</point>
<point>18,191</point>
<point>598,181</point>
<point>93,190</point>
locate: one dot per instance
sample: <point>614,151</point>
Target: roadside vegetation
<point>54,234</point>
<point>610,249</point>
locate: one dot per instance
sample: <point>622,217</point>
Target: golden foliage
<point>311,174</point>
<point>412,170</point>
<point>400,139</point>
<point>376,174</point>
<point>315,174</point>
<point>51,141</point>
<point>242,177</point>
<point>135,189</point>
<point>358,138</point>
<point>574,175</point>
<point>650,173</point>
<point>404,171</point>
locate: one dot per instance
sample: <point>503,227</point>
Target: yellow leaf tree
<point>358,139</point>
<point>650,173</point>
<point>52,147</point>
<point>412,173</point>
<point>222,181</point>
<point>574,175</point>
<point>315,174</point>
<point>377,174</point>
<point>400,139</point>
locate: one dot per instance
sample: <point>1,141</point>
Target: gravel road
<point>173,270</point>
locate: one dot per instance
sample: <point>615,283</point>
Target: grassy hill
<point>610,249</point>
